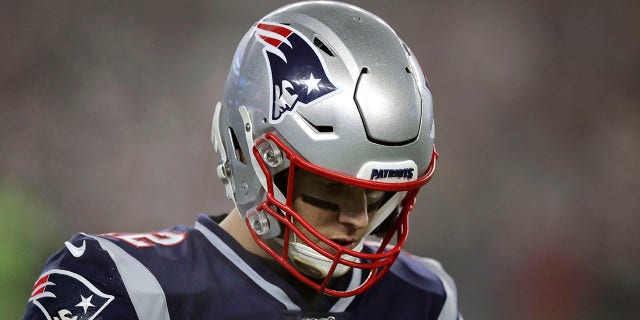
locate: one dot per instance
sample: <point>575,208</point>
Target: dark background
<point>105,115</point>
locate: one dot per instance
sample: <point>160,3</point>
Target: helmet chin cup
<point>264,225</point>
<point>311,263</point>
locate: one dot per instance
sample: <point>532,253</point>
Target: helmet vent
<point>324,129</point>
<point>318,128</point>
<point>320,44</point>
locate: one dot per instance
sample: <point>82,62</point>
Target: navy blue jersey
<point>201,272</point>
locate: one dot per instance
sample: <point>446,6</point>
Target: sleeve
<point>80,281</point>
<point>450,308</point>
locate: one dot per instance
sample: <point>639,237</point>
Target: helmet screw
<point>271,158</point>
<point>270,153</point>
<point>244,187</point>
<point>259,221</point>
<point>257,225</point>
<point>247,127</point>
<point>227,169</point>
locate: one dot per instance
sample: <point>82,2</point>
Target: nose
<point>353,211</point>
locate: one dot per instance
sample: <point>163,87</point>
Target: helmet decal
<point>296,70</point>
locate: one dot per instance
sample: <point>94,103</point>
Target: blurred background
<point>105,115</point>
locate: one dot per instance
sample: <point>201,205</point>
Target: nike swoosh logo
<point>76,251</point>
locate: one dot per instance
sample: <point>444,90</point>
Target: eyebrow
<point>334,207</point>
<point>320,203</point>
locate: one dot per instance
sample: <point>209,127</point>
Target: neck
<point>237,228</point>
<point>235,225</point>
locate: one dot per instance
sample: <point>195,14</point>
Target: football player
<point>325,135</point>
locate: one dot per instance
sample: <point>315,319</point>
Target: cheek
<point>313,215</point>
<point>306,211</point>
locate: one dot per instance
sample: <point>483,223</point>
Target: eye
<point>378,198</point>
<point>374,206</point>
<point>374,196</point>
<point>322,204</point>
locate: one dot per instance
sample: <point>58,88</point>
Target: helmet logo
<point>296,70</point>
<point>393,172</point>
<point>406,173</point>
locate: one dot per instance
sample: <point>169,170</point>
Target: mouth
<point>347,243</point>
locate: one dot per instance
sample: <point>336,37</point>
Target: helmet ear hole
<point>236,147</point>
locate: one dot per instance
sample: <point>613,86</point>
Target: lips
<point>348,243</point>
<point>344,242</point>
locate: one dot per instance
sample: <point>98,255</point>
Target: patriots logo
<point>64,295</point>
<point>296,69</point>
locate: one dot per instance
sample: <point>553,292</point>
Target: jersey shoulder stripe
<point>143,288</point>
<point>450,307</point>
<point>419,286</point>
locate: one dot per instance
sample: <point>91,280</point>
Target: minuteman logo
<point>296,69</point>
<point>65,295</point>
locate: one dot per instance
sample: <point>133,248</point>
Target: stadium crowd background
<point>105,115</point>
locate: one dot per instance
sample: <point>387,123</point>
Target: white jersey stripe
<point>342,303</point>
<point>267,286</point>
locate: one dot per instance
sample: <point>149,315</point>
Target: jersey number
<point>150,239</point>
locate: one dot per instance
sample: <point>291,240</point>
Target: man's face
<point>338,211</point>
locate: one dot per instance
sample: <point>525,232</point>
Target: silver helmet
<point>330,89</point>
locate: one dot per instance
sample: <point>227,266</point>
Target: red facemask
<point>376,264</point>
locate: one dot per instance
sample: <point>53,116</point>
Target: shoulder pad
<point>450,307</point>
<point>94,276</point>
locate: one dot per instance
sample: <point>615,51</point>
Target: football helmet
<point>328,89</point>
